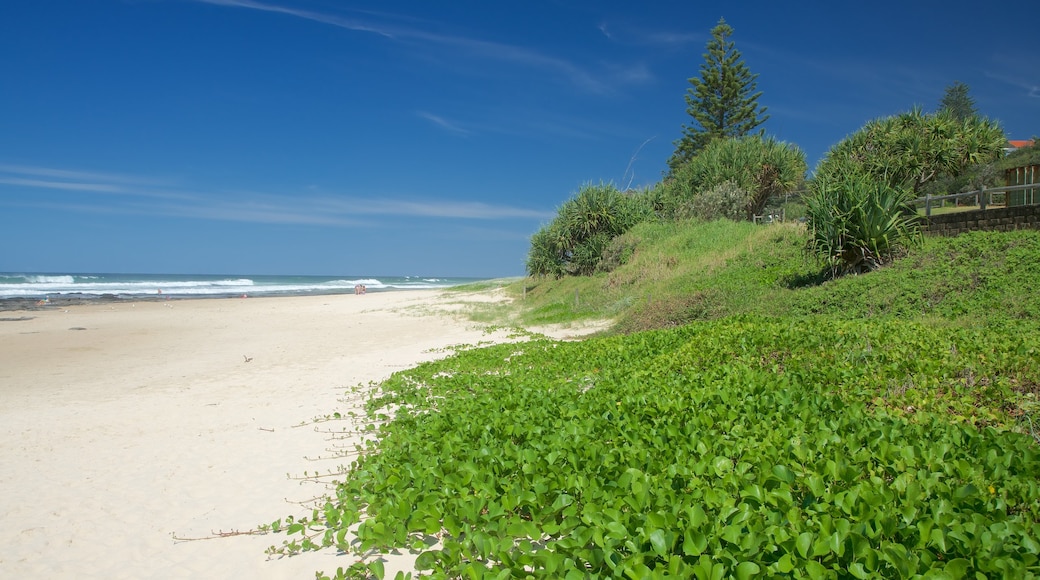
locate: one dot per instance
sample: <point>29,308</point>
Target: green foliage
<point>876,426</point>
<point>755,275</point>
<point>685,271</point>
<point>761,167</point>
<point>737,448</point>
<point>972,178</point>
<point>1020,157</point>
<point>794,209</point>
<point>678,272</point>
<point>725,200</point>
<point>617,253</point>
<point>914,148</point>
<point>857,223</point>
<point>723,102</point>
<point>859,210</point>
<point>957,102</point>
<point>979,277</point>
<point>573,243</point>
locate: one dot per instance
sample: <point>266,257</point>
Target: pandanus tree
<point>914,148</point>
<point>858,223</point>
<point>574,241</point>
<point>859,209</point>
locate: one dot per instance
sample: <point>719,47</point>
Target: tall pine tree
<point>958,102</point>
<point>723,101</point>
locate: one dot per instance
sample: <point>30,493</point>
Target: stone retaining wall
<point>1023,217</point>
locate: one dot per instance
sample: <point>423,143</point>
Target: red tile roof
<point>1019,143</point>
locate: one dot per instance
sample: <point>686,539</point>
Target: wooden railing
<point>983,196</point>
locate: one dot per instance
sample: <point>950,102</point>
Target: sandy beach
<point>125,424</point>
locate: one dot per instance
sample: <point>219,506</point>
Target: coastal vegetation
<point>575,240</point>
<point>732,178</point>
<point>840,398</point>
<point>958,102</point>
<point>781,425</point>
<point>722,102</point>
<point>678,273</point>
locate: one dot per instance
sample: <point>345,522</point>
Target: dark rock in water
<point>21,304</point>
<point>57,301</point>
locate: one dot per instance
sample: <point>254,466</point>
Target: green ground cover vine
<point>742,447</point>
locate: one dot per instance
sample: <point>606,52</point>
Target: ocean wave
<point>125,285</point>
<point>49,279</point>
<point>90,285</point>
<point>351,283</point>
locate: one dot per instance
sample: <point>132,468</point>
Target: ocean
<point>90,286</point>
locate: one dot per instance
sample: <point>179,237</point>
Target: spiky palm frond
<point>857,223</point>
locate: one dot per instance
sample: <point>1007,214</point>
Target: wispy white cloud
<point>277,211</point>
<point>470,47</point>
<point>443,123</point>
<point>433,209</point>
<point>347,23</point>
<point>66,174</point>
<point>65,185</point>
<point>1030,88</point>
<point>633,74</point>
<point>633,35</point>
<point>120,195</point>
<point>50,178</point>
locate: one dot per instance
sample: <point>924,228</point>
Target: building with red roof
<point>1013,144</point>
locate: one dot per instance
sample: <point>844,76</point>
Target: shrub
<point>857,223</point>
<point>617,253</point>
<point>545,258</point>
<point>913,149</point>
<point>725,200</point>
<point>761,167</point>
<point>859,209</point>
<point>574,241</point>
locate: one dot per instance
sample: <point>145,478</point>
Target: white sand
<point>122,425</point>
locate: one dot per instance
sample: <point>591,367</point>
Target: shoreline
<point>126,422</point>
<point>65,300</point>
<point>28,289</point>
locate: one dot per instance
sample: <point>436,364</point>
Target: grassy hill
<point>676,273</point>
<point>767,424</point>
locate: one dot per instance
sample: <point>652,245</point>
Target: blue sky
<point>414,137</point>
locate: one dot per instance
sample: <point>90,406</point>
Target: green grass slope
<point>979,275</point>
<point>678,273</point>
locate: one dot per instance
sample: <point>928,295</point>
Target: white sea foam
<point>41,285</point>
<point>49,279</point>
